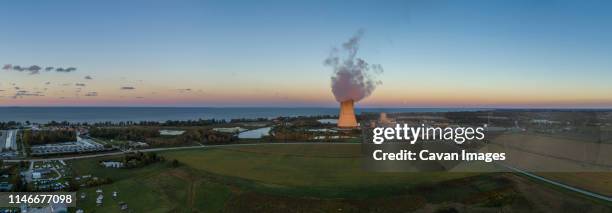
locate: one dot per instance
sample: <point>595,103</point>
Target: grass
<point>598,182</point>
<point>284,178</point>
<point>313,170</point>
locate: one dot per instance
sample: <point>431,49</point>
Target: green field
<point>289,178</point>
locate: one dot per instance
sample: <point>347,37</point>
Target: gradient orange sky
<point>189,53</point>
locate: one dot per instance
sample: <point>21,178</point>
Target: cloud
<point>88,77</point>
<point>47,83</point>
<point>127,88</point>
<point>353,78</point>
<point>69,69</point>
<point>184,90</point>
<point>35,69</point>
<point>139,97</point>
<point>23,93</point>
<point>18,68</point>
<point>80,84</point>
<point>92,94</point>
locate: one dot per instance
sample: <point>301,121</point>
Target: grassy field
<point>310,170</point>
<point>289,178</point>
<point>544,151</point>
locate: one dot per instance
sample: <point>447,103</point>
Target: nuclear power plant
<point>347,115</point>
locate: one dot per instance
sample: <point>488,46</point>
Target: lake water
<point>116,114</point>
<point>255,133</point>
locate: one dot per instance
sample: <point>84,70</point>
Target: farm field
<point>562,153</point>
<point>300,177</point>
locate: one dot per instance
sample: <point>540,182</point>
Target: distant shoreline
<point>161,114</point>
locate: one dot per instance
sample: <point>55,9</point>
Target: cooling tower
<point>347,115</point>
<point>383,118</point>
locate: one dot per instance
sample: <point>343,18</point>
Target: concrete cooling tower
<point>347,115</point>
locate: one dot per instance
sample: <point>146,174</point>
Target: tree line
<point>130,133</point>
<point>40,137</point>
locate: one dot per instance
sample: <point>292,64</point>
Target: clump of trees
<point>127,133</point>
<point>291,133</point>
<point>206,136</point>
<point>97,181</point>
<point>30,137</point>
<point>140,159</point>
<point>198,122</point>
<point>175,163</point>
<point>9,125</point>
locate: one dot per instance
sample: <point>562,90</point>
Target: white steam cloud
<point>353,78</point>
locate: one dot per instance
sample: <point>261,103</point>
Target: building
<point>5,187</point>
<point>112,164</point>
<point>36,175</point>
<point>347,117</point>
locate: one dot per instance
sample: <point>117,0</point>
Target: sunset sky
<point>270,53</point>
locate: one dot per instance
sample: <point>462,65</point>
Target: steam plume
<point>353,78</point>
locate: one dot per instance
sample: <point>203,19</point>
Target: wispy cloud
<point>35,69</point>
<point>127,88</point>
<point>69,69</point>
<point>91,94</point>
<point>22,93</point>
<point>88,77</point>
<point>80,84</point>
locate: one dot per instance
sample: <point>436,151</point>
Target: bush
<point>175,163</point>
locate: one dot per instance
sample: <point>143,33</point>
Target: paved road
<point>8,142</point>
<point>154,150</point>
<point>571,188</point>
<point>102,154</point>
<point>8,139</point>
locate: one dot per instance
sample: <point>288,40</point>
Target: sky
<point>270,53</point>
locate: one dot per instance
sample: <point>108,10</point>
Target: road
<point>152,150</point>
<point>8,140</point>
<point>568,187</point>
<point>571,188</point>
<point>102,154</point>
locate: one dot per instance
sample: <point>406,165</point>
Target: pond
<point>255,133</point>
<point>328,121</point>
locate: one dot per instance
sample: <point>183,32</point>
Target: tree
<point>175,163</point>
<point>16,181</point>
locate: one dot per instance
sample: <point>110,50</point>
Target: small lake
<point>328,121</point>
<point>255,133</point>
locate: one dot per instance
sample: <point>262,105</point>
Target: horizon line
<point>330,107</point>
